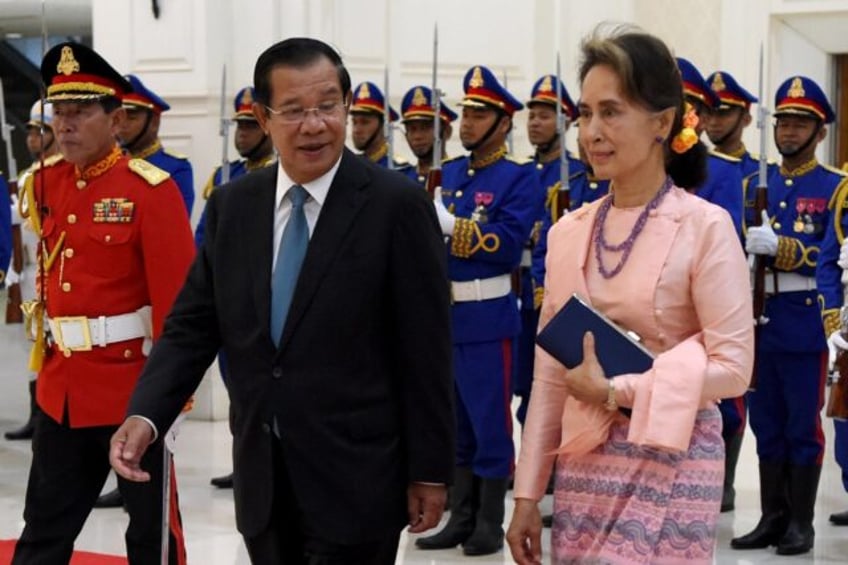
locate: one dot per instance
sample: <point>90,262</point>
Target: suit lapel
<point>347,194</point>
<point>260,223</point>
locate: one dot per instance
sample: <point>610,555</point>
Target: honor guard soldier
<point>41,144</point>
<point>139,136</point>
<point>726,122</point>
<point>417,114</point>
<point>368,130</point>
<point>723,185</point>
<point>115,248</point>
<point>832,262</point>
<point>545,135</point>
<point>791,351</point>
<point>486,208</point>
<point>253,146</point>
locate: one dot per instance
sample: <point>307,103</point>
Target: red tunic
<point>128,244</point>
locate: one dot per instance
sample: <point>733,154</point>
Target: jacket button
<point>277,372</point>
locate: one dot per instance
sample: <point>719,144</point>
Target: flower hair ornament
<point>686,137</point>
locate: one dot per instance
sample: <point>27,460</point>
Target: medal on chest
<point>481,202</point>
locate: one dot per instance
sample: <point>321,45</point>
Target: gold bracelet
<point>611,404</point>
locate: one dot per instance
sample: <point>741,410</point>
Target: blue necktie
<point>289,259</point>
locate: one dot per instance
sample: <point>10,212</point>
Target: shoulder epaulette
<point>210,184</point>
<point>174,154</point>
<point>756,157</point>
<point>517,160</point>
<point>151,173</point>
<point>400,161</point>
<point>836,171</point>
<point>48,162</point>
<point>451,159</point>
<point>724,157</point>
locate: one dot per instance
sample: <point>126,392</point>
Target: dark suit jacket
<point>362,381</point>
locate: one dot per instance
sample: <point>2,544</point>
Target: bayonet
<point>387,121</point>
<point>224,129</point>
<point>434,176</point>
<point>563,197</point>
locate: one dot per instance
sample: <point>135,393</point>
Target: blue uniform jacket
<point>495,208</point>
<point>583,189</point>
<point>723,186</point>
<point>828,272</point>
<point>800,209</point>
<point>180,169</point>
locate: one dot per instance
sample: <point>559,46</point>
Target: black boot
<point>732,446</point>
<point>225,481</point>
<point>26,431</point>
<point>461,521</point>
<point>111,499</point>
<point>775,509</point>
<point>488,536</point>
<point>803,486</point>
<point>839,518</point>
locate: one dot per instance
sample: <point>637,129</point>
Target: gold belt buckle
<point>86,332</point>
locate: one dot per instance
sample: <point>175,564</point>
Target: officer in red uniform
<point>116,245</point>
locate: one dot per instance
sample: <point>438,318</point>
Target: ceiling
<point>22,18</point>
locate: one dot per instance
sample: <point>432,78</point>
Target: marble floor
<point>204,451</point>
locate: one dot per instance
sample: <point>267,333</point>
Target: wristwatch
<point>611,404</point>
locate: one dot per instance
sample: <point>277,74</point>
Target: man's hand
<point>127,446</point>
<point>446,219</point>
<point>524,535</point>
<point>761,240</point>
<point>425,504</point>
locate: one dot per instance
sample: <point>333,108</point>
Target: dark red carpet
<point>7,547</point>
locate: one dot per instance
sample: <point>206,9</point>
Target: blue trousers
<point>785,410</point>
<point>840,448</point>
<point>483,415</point>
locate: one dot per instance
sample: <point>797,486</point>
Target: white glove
<point>762,240</point>
<point>843,255</point>
<point>835,344</point>
<point>13,277</point>
<point>446,220</point>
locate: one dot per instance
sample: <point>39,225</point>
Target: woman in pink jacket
<point>663,263</point>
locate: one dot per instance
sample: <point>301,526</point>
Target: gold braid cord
<point>787,251</point>
<point>467,239</point>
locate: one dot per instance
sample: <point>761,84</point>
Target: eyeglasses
<point>328,110</point>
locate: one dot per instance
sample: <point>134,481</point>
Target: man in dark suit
<point>342,414</point>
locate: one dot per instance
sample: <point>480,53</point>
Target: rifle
<point>434,176</point>
<point>224,129</point>
<point>387,122</point>
<point>563,196</point>
<point>14,314</point>
<point>509,144</point>
<point>760,205</point>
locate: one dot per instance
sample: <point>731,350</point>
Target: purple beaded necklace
<point>626,246</point>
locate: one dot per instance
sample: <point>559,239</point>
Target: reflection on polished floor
<point>204,451</point>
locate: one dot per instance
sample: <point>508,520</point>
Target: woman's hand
<point>524,535</point>
<point>587,382</point>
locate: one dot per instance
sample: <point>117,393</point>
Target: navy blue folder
<point>617,351</point>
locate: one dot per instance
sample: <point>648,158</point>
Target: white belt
<point>481,289</point>
<point>788,282</point>
<point>526,258</point>
<point>78,333</point>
